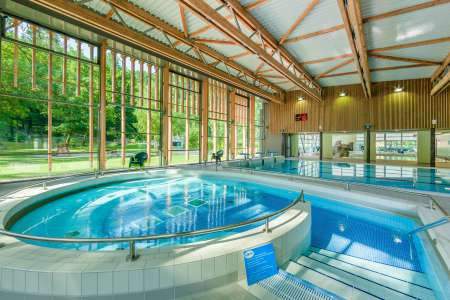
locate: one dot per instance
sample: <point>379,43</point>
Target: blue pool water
<point>364,233</point>
<point>416,178</point>
<point>152,206</point>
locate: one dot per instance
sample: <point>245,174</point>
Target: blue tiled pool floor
<point>347,234</point>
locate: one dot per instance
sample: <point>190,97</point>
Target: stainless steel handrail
<point>132,240</point>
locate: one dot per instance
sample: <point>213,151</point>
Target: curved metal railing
<point>132,240</point>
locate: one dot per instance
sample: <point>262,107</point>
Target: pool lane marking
<point>400,292</point>
<point>343,261</point>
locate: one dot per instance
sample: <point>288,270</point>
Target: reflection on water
<point>153,206</point>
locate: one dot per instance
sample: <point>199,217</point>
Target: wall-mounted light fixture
<point>301,98</point>
<point>342,94</point>
<point>398,89</point>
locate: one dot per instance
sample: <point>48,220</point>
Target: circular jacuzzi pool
<point>150,206</point>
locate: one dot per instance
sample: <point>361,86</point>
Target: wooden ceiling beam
<point>355,36</point>
<point>270,41</point>
<point>378,70</point>
<point>411,45</point>
<point>93,21</point>
<point>335,68</point>
<point>147,18</point>
<point>441,68</point>
<point>183,21</point>
<point>202,9</point>
<point>405,10</point>
<point>299,19</point>
<point>314,34</point>
<point>441,84</point>
<point>404,59</point>
<point>219,42</point>
<point>326,59</point>
<point>239,55</point>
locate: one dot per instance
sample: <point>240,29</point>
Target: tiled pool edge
<point>30,270</point>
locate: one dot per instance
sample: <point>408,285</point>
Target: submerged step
<point>325,282</point>
<point>381,279</point>
<point>402,274</point>
<point>371,287</point>
<point>288,287</point>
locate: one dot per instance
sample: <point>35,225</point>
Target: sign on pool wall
<point>260,263</point>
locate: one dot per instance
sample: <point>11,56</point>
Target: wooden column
<point>186,103</point>
<point>232,125</point>
<point>132,82</point>
<point>149,114</point>
<point>123,116</point>
<point>141,83</point>
<point>64,68</point>
<point>91,108</point>
<point>33,58</point>
<point>204,120</point>
<point>78,90</point>
<point>16,55</point>
<point>113,76</point>
<point>102,112</point>
<point>49,104</point>
<point>251,124</point>
<point>165,138</point>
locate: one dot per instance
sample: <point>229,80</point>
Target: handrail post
<point>302,197</point>
<point>44,185</point>
<point>431,203</point>
<point>267,228</point>
<point>132,251</point>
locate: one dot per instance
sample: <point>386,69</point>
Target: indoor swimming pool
<point>152,206</point>
<point>416,178</point>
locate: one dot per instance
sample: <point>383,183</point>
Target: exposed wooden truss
<point>335,68</point>
<point>201,8</point>
<point>314,34</point>
<point>122,33</point>
<point>445,78</point>
<point>153,21</point>
<point>441,68</point>
<point>404,59</point>
<point>351,14</point>
<point>183,21</point>
<point>378,70</point>
<point>299,19</point>
<point>213,41</point>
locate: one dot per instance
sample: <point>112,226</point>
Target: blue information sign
<point>260,263</point>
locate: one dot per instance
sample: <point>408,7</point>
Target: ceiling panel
<point>339,80</point>
<point>376,7</point>
<point>399,74</point>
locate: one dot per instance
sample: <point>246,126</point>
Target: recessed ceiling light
<point>342,94</point>
<point>398,89</point>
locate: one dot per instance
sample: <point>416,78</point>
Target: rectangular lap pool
<point>415,178</point>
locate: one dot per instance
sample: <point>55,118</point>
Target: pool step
<point>286,286</point>
<point>357,278</point>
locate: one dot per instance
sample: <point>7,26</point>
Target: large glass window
<point>260,126</point>
<point>184,120</point>
<point>217,118</point>
<point>396,145</point>
<point>48,104</point>
<point>241,107</point>
<point>443,148</point>
<point>348,145</point>
<point>309,145</point>
<point>133,113</point>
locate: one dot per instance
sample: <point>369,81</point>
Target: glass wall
<point>217,118</point>
<point>241,107</point>
<point>260,126</point>
<point>48,103</point>
<point>348,145</point>
<point>133,112</point>
<point>309,145</point>
<point>184,120</point>
<point>443,148</point>
<point>396,145</point>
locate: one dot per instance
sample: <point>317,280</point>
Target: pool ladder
<point>434,224</point>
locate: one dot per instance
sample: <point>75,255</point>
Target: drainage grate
<point>288,287</point>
